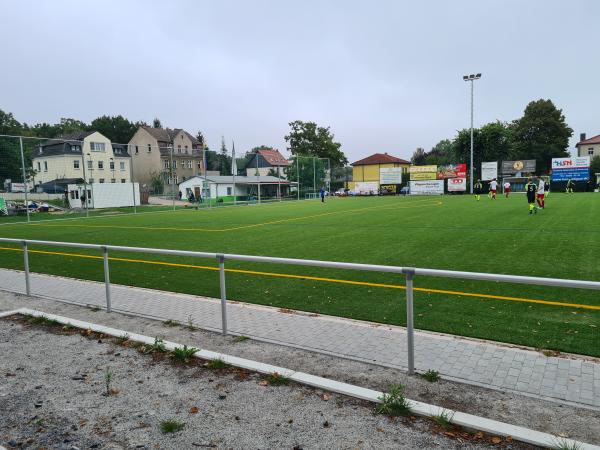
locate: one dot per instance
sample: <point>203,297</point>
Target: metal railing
<point>409,272</point>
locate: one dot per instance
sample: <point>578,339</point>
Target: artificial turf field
<point>449,232</point>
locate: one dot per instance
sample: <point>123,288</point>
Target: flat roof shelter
<point>222,186</point>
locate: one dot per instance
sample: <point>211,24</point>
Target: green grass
<point>499,236</point>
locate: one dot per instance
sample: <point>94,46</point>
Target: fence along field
<point>452,232</point>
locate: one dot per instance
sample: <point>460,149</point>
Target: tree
<point>312,172</point>
<point>157,182</point>
<point>441,154</point>
<point>595,167</point>
<point>156,123</point>
<point>418,157</point>
<point>306,138</point>
<point>118,129</point>
<point>224,159</point>
<point>200,138</point>
<point>541,134</point>
<point>68,125</point>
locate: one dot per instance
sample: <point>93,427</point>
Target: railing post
<point>106,279</point>
<point>26,266</point>
<point>410,327</point>
<point>221,260</point>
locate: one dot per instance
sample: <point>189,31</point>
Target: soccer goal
<point>311,195</point>
<point>517,184</point>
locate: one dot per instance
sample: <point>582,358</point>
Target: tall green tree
<point>441,154</point>
<point>118,129</point>
<point>595,168</point>
<point>541,134</point>
<point>312,172</point>
<point>307,138</point>
<point>419,157</point>
<point>156,123</point>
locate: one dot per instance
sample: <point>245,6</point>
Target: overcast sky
<point>386,76</point>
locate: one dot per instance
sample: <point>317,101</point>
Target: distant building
<point>267,162</point>
<point>588,147</point>
<point>368,171</point>
<point>151,154</point>
<point>222,186</point>
<point>86,155</point>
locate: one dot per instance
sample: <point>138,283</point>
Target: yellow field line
<point>241,227</point>
<point>327,280</point>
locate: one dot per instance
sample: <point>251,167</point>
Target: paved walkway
<point>471,361</point>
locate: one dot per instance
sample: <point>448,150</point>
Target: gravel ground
<point>263,418</point>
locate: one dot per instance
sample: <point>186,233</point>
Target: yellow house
<point>373,172</point>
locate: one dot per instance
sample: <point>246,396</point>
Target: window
<point>179,149</point>
<point>39,167</point>
<point>166,164</point>
<point>101,165</point>
<point>186,152</point>
<point>591,151</point>
<point>122,180</point>
<point>122,165</point>
<point>112,165</point>
<point>175,164</point>
<point>137,150</point>
<point>149,148</point>
<point>76,164</point>
<point>229,190</point>
<point>45,166</point>
<point>91,180</point>
<point>89,164</point>
<point>97,146</point>
<point>101,180</point>
<point>75,148</point>
<point>190,164</point>
<point>112,180</point>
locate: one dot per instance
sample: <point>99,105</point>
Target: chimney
<point>582,137</point>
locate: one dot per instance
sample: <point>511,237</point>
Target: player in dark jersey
<point>531,190</point>
<point>477,188</point>
<point>570,186</point>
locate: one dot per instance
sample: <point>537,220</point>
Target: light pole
<point>471,78</point>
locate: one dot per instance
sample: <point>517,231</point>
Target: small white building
<point>103,195</point>
<point>220,186</point>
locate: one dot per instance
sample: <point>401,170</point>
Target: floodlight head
<point>478,76</point>
<point>465,77</point>
<point>472,76</point>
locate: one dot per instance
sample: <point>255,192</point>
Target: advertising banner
<point>423,176</point>
<point>388,188</point>
<point>571,174</point>
<point>578,162</point>
<point>489,170</point>
<point>366,188</point>
<point>432,187</point>
<point>390,175</point>
<point>457,184</point>
<point>422,169</point>
<point>452,171</point>
<point>512,167</point>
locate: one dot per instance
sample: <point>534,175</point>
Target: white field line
<point>423,409</point>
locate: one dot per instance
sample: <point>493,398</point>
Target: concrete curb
<point>423,409</point>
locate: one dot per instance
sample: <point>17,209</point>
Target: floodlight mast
<point>472,77</point>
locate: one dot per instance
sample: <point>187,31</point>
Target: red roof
<point>592,140</point>
<point>379,158</point>
<point>273,157</point>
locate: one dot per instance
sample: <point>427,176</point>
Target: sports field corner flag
<point>233,163</point>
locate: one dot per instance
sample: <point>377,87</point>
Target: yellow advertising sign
<point>423,169</point>
<point>423,176</point>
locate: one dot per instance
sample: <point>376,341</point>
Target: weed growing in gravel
<point>217,364</point>
<point>42,320</point>
<point>158,346</point>
<point>394,403</point>
<point>562,444</point>
<point>276,379</point>
<point>444,419</point>
<point>94,309</point>
<point>171,426</point>
<point>431,375</point>
<point>184,354</point>
<point>190,324</point>
<point>122,339</point>
<point>240,338</point>
<point>170,323</point>
<point>108,377</point>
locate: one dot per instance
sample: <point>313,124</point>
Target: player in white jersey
<point>493,188</point>
<point>540,192</point>
<point>506,189</point>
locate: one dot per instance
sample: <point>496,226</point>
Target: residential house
<point>266,162</point>
<point>155,150</point>
<point>368,171</point>
<point>85,155</point>
<point>588,147</point>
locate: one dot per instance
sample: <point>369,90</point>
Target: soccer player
<point>570,185</point>
<point>477,189</point>
<point>506,189</point>
<point>493,188</point>
<point>531,189</point>
<point>540,192</point>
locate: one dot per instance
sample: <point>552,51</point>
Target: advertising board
<point>422,169</point>
<point>366,188</point>
<point>512,167</point>
<point>457,184</point>
<point>390,175</point>
<point>575,169</point>
<point>452,171</point>
<point>489,170</point>
<point>427,187</point>
<point>423,176</point>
